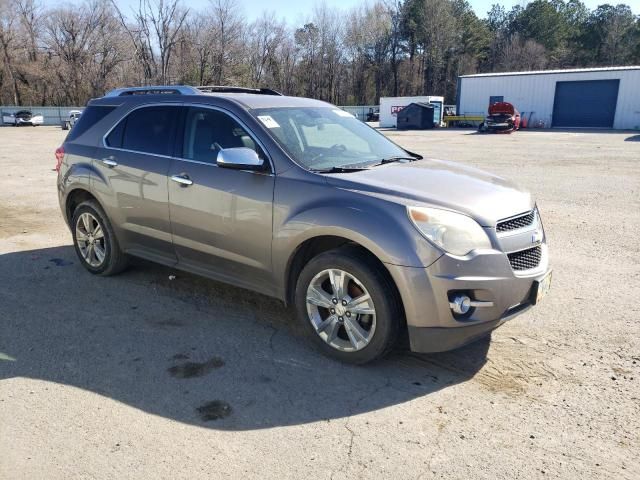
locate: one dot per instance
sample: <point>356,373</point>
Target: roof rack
<point>231,89</point>
<point>187,90</point>
<point>154,90</point>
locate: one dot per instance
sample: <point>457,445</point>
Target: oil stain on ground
<point>195,369</point>
<point>60,262</point>
<point>214,410</point>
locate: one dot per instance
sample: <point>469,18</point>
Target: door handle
<point>183,180</point>
<point>109,162</point>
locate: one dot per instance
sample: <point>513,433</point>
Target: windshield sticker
<point>342,113</point>
<point>268,121</point>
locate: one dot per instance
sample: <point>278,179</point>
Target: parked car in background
<point>22,117</point>
<point>74,115</point>
<point>503,118</point>
<point>297,199</point>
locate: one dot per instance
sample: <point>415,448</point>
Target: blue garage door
<point>589,103</point>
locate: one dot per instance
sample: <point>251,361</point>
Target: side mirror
<point>240,158</point>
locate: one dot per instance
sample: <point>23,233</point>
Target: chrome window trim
<point>182,104</point>
<point>207,164</point>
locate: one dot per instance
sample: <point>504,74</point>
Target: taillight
<point>59,157</point>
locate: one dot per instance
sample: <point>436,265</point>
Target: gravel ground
<point>139,376</point>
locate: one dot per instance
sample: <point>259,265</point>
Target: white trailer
<point>390,106</point>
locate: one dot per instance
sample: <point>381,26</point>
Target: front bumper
<point>485,276</point>
<point>500,127</point>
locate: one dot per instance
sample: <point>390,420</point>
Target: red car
<point>503,118</point>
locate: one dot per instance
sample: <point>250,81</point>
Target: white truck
<point>74,115</point>
<point>390,106</point>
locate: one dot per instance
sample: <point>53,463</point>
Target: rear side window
<point>114,139</point>
<point>146,130</point>
<point>90,116</point>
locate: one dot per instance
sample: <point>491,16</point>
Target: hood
<point>502,108</point>
<point>486,198</point>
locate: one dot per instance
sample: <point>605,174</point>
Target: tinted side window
<point>114,139</point>
<point>207,131</point>
<point>90,116</point>
<point>148,130</point>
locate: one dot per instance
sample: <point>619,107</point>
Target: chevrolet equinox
<point>297,199</point>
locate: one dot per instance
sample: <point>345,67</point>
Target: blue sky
<point>295,12</point>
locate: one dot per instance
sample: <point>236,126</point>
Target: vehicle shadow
<point>633,138</point>
<point>191,349</point>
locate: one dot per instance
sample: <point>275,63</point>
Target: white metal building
<point>586,98</point>
<point>390,106</point>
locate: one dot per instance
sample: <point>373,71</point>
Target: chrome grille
<point>515,223</point>
<point>525,259</point>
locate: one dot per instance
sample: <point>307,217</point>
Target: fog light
<point>461,304</point>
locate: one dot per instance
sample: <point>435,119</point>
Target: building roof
<point>551,72</point>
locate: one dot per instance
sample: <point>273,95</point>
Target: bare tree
<point>8,22</point>
<point>154,33</point>
<point>265,35</point>
<point>227,29</point>
<point>198,44</point>
<point>30,14</point>
<point>521,54</point>
<point>394,10</point>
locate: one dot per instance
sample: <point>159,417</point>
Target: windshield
<point>325,138</point>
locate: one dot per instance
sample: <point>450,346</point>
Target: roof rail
<point>231,89</point>
<point>154,90</point>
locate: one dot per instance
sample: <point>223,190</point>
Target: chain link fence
<point>56,115</point>
<point>361,111</point>
<point>52,115</point>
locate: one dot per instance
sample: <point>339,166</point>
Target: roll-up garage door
<point>589,103</point>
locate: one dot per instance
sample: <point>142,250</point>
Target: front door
<point>221,218</point>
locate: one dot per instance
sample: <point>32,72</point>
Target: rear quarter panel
<point>75,172</point>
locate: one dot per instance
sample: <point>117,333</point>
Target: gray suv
<point>297,199</point>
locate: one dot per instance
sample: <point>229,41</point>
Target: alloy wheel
<point>341,310</point>
<point>90,240</point>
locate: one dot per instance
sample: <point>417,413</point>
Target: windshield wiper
<point>397,159</point>
<point>338,169</point>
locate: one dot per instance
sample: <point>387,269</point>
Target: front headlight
<point>453,232</point>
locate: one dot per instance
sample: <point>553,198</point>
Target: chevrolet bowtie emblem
<point>536,237</point>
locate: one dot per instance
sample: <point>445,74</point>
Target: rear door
<point>222,219</point>
<point>133,163</point>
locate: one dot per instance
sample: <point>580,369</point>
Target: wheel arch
<point>74,198</point>
<point>314,246</point>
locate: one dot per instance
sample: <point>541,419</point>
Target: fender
<point>385,230</point>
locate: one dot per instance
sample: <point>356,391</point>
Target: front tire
<point>95,241</point>
<point>348,306</point>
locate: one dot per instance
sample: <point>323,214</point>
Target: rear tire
<point>95,241</point>
<point>356,323</point>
